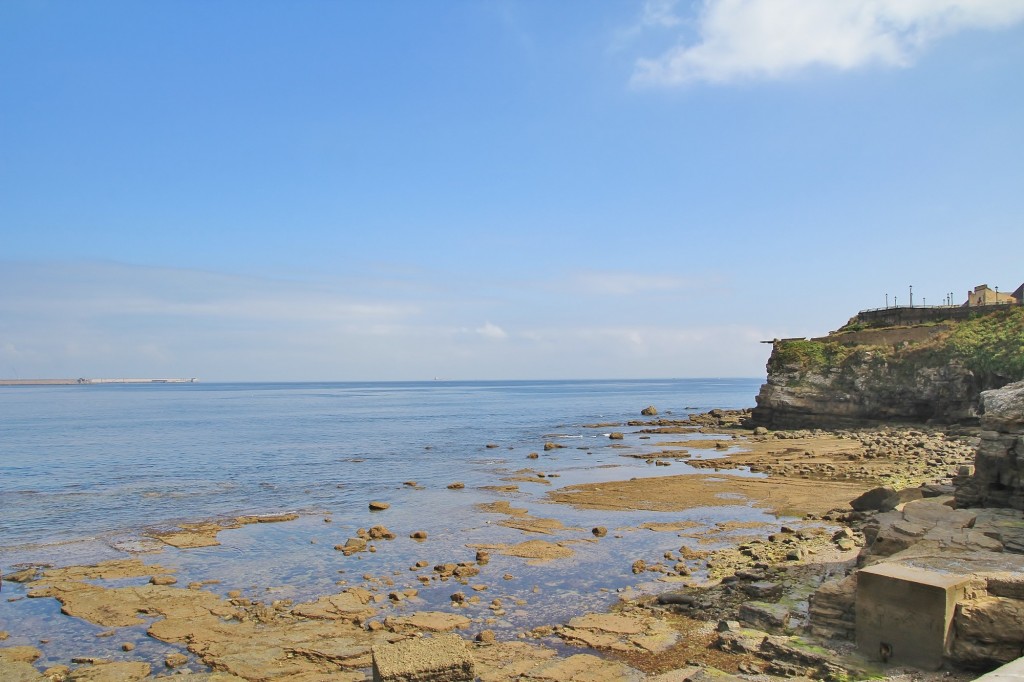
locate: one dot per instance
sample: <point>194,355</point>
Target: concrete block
<point>442,658</point>
<point>905,613</point>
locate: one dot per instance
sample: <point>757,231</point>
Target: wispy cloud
<point>491,331</point>
<point>756,39</point>
<point>610,283</point>
<point>109,319</point>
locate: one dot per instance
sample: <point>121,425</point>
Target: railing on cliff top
<point>901,315</point>
<point>941,307</point>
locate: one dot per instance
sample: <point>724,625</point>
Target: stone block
<point>905,613</point>
<point>443,658</point>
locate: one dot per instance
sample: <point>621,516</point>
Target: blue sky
<point>509,189</point>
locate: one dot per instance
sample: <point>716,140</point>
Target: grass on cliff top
<point>808,354</point>
<point>990,345</point>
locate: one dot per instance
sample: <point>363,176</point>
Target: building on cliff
<point>983,295</point>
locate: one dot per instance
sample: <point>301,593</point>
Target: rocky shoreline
<point>749,600</point>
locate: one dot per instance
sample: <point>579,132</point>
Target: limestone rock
<point>443,658</point>
<point>427,621</point>
<point>117,671</point>
<point>20,671</point>
<point>23,654</point>
<point>1003,409</point>
<point>870,375</point>
<point>764,615</point>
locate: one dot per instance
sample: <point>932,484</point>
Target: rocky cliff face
<point>928,373</point>
<point>998,478</point>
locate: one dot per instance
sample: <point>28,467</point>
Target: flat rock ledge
<point>444,658</point>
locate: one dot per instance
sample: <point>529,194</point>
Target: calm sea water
<point>84,461</point>
<point>85,470</point>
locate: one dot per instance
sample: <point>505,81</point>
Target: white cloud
<point>660,13</point>
<point>745,39</point>
<point>628,283</point>
<point>491,331</point>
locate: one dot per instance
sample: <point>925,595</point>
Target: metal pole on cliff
<point>887,300</point>
<point>911,295</point>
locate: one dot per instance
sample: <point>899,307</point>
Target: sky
<point>248,190</point>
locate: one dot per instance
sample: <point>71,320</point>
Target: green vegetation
<point>810,355</point>
<point>991,346</point>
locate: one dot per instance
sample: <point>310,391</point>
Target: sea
<point>87,471</point>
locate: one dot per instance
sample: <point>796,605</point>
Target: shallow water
<point>83,469</point>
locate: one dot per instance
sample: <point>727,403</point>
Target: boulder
<point>872,500</point>
<point>1003,409</point>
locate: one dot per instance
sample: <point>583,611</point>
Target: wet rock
<point>351,605</point>
<point>175,660</point>
<point>438,658</point>
<point>266,518</point>
<point>485,637</point>
<point>379,506</point>
<point>457,485</point>
<point>599,531</point>
<point>163,580</point>
<point>639,566</point>
<point>351,546</point>
<point>427,621</point>
<point>764,615</point>
<point>25,654</point>
<point>25,575</point>
<point>381,533</point>
<point>418,535</point>
<point>466,570</point>
<point>540,550</point>
<point>532,455</point>
<point>616,435</point>
<point>649,411</point>
<point>19,671</point>
<point>676,599</point>
<point>763,590</point>
<point>117,671</point>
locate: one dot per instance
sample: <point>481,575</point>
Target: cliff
<point>932,372</point>
<point>998,477</point>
